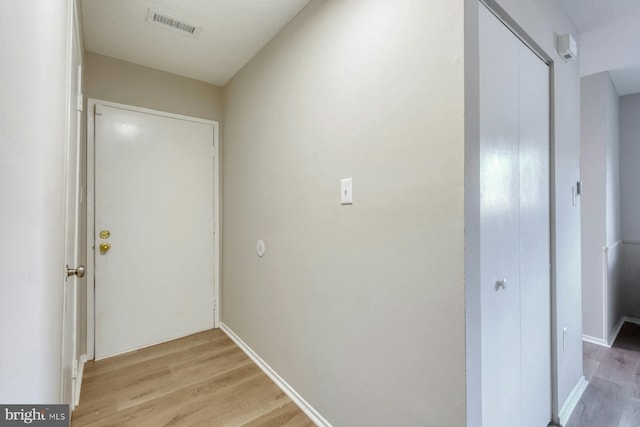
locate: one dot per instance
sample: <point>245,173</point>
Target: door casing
<point>70,322</point>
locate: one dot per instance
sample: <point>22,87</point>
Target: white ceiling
<point>233,31</point>
<point>609,39</point>
<point>588,15</point>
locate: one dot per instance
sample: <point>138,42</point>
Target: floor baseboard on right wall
<point>612,337</point>
<point>616,330</point>
<point>572,401</point>
<point>311,412</point>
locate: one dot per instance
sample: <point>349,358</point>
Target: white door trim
<point>91,106</point>
<point>72,167</point>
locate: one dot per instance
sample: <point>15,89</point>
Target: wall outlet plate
<point>260,248</point>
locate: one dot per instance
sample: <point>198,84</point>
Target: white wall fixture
<point>174,24</point>
<point>567,47</point>
<point>346,191</point>
<point>260,248</point>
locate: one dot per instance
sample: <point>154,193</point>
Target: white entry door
<point>154,228</point>
<point>514,229</point>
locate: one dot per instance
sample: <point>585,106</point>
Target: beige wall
<point>110,79</point>
<point>360,308</point>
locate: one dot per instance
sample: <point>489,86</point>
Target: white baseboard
<point>289,391</point>
<point>594,340</point>
<point>81,362</point>
<point>614,334</point>
<point>631,320</point>
<point>572,401</point>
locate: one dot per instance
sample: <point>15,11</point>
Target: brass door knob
<point>104,247</point>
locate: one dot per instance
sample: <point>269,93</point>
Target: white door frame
<point>91,106</point>
<point>72,167</point>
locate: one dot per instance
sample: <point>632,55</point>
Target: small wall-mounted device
<point>260,248</point>
<point>567,47</point>
<point>346,191</point>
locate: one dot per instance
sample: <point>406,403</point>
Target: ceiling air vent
<point>167,21</point>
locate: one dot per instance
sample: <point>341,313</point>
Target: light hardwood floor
<point>200,380</point>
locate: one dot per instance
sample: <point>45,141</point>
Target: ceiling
<point>232,32</point>
<point>609,39</point>
<point>588,15</point>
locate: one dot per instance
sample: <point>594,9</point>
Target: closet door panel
<point>535,292</point>
<point>499,207</point>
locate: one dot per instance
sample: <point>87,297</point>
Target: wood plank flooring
<point>200,380</point>
<point>612,398</point>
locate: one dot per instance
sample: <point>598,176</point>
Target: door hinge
<point>79,103</point>
<point>98,110</point>
<point>74,369</point>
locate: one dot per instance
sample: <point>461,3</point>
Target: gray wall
<point>541,21</point>
<point>629,170</point>
<point>360,308</point>
<point>593,165</point>
<point>613,164</point>
<point>111,79</point>
<point>602,299</point>
<point>630,200</point>
<point>613,256</point>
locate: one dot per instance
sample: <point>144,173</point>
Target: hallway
<point>612,398</point>
<point>203,379</point>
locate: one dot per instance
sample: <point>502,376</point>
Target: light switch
<point>346,191</point>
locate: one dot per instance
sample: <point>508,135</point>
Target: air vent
<point>170,22</point>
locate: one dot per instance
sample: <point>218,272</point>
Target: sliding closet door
<point>514,227</point>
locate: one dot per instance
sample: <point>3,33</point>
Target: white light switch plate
<point>346,191</point>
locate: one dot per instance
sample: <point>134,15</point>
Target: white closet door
<point>499,209</point>
<point>535,289</point>
<point>514,226</point>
